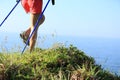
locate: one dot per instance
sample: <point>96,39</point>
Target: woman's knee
<point>42,20</point>
<point>34,18</point>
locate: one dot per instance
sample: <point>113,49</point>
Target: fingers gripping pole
<point>10,12</point>
<point>35,27</point>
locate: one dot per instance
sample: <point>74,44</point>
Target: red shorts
<point>32,6</point>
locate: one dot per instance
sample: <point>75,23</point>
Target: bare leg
<point>34,18</point>
<point>27,32</point>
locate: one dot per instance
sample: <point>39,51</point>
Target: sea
<point>105,51</point>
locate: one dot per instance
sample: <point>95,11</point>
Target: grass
<point>59,63</point>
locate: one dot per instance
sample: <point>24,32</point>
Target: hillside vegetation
<point>61,63</point>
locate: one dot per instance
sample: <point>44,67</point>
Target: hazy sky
<point>86,18</point>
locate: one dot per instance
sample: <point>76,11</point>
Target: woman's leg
<point>34,18</point>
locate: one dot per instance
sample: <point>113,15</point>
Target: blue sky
<point>83,18</point>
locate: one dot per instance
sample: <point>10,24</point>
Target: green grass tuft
<point>61,63</point>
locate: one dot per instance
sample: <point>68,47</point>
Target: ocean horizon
<point>105,51</point>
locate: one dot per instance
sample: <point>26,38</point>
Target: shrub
<point>59,63</point>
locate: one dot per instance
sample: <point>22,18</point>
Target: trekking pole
<point>10,12</point>
<point>35,27</point>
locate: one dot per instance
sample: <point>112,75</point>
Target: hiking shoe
<point>24,37</point>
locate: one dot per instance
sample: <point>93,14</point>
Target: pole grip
<point>17,0</point>
<point>53,2</point>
